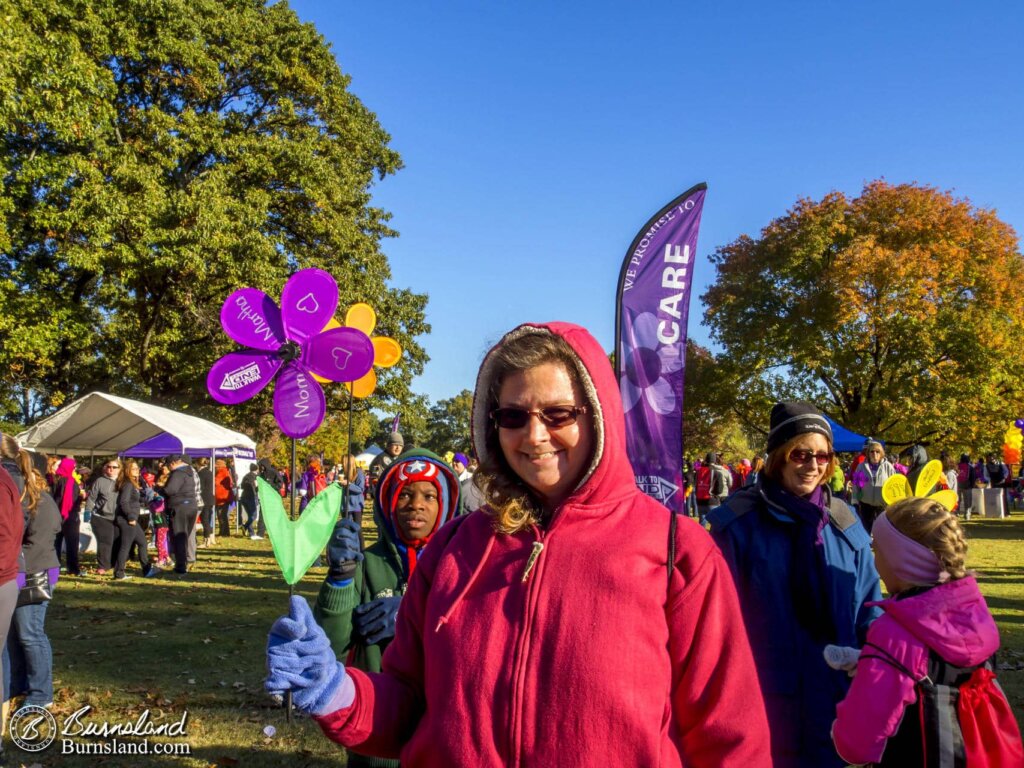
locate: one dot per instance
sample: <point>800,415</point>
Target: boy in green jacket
<point>358,602</point>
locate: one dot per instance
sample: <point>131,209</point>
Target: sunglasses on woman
<point>802,456</point>
<point>553,417</point>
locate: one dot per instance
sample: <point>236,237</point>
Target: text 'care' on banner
<point>651,312</point>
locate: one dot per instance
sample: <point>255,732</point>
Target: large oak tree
<point>898,311</point>
<point>156,155</point>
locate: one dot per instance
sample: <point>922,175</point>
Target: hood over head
<point>916,455</point>
<point>609,472</point>
<point>952,619</point>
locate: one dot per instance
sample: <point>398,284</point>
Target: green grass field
<point>198,645</point>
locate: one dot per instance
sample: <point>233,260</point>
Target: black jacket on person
<point>206,486</point>
<point>248,497</point>
<point>271,475</point>
<point>179,491</point>
<point>42,529</point>
<point>128,501</point>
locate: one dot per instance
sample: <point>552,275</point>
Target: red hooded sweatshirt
<point>12,526</point>
<point>593,656</point>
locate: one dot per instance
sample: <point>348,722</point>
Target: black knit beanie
<point>790,419</point>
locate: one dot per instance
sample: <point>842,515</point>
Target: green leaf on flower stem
<point>297,543</point>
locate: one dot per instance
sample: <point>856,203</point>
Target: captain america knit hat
<point>412,470</point>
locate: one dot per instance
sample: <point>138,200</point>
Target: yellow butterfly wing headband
<point>897,487</point>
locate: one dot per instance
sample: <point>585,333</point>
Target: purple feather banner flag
<point>651,312</point>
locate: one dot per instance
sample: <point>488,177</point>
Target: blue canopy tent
<point>843,440</point>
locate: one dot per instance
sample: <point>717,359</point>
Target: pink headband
<point>911,561</point>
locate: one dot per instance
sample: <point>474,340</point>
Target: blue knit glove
<point>375,621</point>
<point>300,659</point>
<point>343,555</point>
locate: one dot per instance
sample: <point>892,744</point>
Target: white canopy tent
<point>107,424</point>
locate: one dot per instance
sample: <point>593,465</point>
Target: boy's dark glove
<point>375,621</point>
<point>343,555</point>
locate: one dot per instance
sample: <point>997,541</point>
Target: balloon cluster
<point>1012,442</point>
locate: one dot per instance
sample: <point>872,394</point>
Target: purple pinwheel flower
<point>290,340</point>
<point>645,360</point>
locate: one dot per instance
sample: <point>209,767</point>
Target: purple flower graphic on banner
<point>645,362</point>
<point>289,340</point>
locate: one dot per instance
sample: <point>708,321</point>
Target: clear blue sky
<point>538,137</point>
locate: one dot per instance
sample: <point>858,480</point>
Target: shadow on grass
<point>1000,608</point>
<point>1007,529</point>
<point>999,573</point>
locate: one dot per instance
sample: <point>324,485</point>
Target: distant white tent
<point>107,424</point>
<point>364,458</point>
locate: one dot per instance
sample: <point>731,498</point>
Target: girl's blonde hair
<point>932,525</point>
<point>349,467</point>
<point>777,460</point>
<point>10,449</point>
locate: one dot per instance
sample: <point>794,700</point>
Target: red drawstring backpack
<point>961,719</point>
<point>990,733</point>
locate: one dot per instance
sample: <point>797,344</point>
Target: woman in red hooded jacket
<point>549,627</point>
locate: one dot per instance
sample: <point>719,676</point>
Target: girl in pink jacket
<point>936,621</point>
<point>549,627</point>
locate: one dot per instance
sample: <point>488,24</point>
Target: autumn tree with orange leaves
<point>899,312</point>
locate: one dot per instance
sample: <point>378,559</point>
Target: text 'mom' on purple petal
<point>251,318</point>
<point>240,375</point>
<point>299,403</point>
<point>308,302</point>
<point>340,354</point>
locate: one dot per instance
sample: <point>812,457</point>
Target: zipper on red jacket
<point>519,665</point>
<point>538,547</point>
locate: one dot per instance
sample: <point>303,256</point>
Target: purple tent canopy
<point>165,443</point>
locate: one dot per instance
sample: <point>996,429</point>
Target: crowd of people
<point>858,479</point>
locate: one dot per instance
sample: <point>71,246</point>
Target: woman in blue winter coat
<point>805,574</point>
